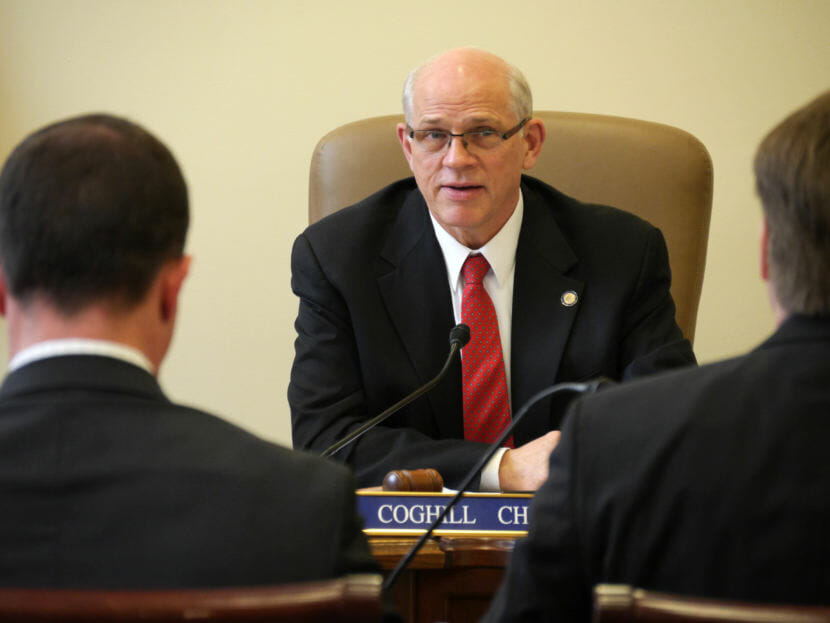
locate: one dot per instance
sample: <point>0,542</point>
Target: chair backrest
<point>658,172</point>
<point>615,603</point>
<point>353,599</point>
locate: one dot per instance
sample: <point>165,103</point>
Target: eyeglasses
<point>433,141</point>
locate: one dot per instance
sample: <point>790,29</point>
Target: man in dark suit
<point>578,290</point>
<point>105,482</point>
<point>713,481</point>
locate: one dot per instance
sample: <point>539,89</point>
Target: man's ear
<point>3,292</point>
<point>534,137</point>
<point>778,310</point>
<point>763,238</point>
<point>173,276</point>
<point>406,145</point>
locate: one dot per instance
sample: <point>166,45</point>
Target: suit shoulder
<point>663,394</point>
<point>222,448</point>
<point>232,444</point>
<point>574,215</point>
<point>377,210</point>
<point>314,470</point>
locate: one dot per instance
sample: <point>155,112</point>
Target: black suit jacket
<point>709,482</point>
<point>106,483</point>
<point>375,315</point>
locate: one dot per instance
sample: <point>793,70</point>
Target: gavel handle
<point>413,480</point>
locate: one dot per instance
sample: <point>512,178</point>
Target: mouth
<point>461,190</point>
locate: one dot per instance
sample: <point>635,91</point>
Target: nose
<point>457,154</point>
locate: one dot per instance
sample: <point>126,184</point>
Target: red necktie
<point>486,404</point>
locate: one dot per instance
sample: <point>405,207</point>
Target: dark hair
<point>90,209</point>
<point>792,171</point>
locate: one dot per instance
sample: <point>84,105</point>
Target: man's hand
<point>525,468</point>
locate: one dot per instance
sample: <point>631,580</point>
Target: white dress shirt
<point>80,346</point>
<point>500,253</point>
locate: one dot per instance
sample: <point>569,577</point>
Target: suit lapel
<point>422,318</point>
<point>541,320</point>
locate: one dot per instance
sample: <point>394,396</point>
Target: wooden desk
<point>451,579</point>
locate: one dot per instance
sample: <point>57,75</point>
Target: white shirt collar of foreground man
<point>79,346</point>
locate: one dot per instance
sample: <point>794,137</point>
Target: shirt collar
<point>500,251</point>
<point>80,346</point>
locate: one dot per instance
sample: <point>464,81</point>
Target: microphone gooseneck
<point>459,336</point>
<point>580,388</point>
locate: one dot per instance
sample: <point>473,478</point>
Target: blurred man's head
<point>90,209</point>
<point>93,215</point>
<point>792,170</point>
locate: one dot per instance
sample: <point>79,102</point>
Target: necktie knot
<point>475,267</point>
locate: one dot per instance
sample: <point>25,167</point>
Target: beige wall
<point>241,90</point>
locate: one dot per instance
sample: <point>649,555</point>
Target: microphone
<point>588,387</point>
<point>459,336</point>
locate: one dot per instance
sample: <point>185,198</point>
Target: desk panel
<point>451,579</point>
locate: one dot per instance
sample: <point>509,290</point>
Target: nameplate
<point>475,514</point>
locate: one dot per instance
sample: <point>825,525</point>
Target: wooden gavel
<point>413,480</point>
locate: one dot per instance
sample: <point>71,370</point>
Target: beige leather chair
<point>353,599</point>
<point>615,603</point>
<point>658,172</point>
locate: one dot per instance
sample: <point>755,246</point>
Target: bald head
<point>470,189</point>
<point>474,64</point>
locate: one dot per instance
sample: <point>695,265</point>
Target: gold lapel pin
<point>569,298</point>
